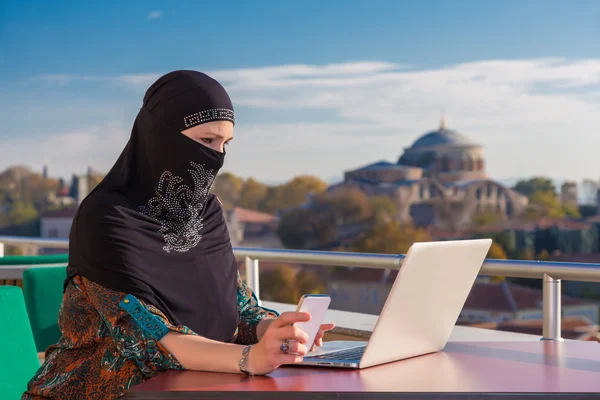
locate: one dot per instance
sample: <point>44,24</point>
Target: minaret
<point>443,123</point>
<point>82,188</point>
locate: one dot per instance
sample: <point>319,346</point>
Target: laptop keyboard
<point>342,355</point>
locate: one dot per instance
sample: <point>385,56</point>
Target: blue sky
<point>319,86</point>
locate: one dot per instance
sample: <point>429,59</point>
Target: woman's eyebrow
<point>216,135</point>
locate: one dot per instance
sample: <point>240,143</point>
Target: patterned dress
<point>110,343</point>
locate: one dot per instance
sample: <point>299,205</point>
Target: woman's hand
<point>319,338</point>
<point>268,354</point>
<point>264,324</point>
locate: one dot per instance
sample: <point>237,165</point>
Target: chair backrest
<point>18,356</point>
<point>43,290</point>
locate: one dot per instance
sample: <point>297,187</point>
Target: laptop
<point>421,310</point>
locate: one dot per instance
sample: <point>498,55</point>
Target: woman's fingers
<point>284,359</point>
<point>297,348</point>
<point>289,318</point>
<point>319,341</point>
<point>319,337</point>
<point>291,333</point>
<point>327,327</point>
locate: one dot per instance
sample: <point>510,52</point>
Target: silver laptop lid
<point>426,299</point>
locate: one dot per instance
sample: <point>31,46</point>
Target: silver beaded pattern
<point>209,115</point>
<point>177,207</point>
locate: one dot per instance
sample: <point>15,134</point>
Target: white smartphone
<point>316,305</point>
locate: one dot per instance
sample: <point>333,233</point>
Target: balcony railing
<point>550,272</point>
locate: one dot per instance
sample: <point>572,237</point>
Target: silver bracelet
<point>242,363</point>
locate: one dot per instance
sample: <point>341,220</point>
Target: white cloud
<point>536,116</point>
<point>154,14</point>
<point>69,152</point>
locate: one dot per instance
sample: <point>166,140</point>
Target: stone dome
<point>442,137</point>
<point>446,155</point>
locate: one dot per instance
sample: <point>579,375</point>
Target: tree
<point>93,179</point>
<point>544,204</point>
<point>347,205</point>
<point>390,238</point>
<point>506,239</point>
<point>300,187</point>
<point>588,210</point>
<point>303,227</point>
<point>309,282</point>
<point>527,255</point>
<point>13,251</point>
<point>496,252</point>
<point>21,212</point>
<point>252,193</point>
<point>543,255</point>
<point>287,284</point>
<point>228,188</point>
<point>279,284</point>
<point>383,208</point>
<point>487,218</point>
<point>537,184</point>
<point>572,211</point>
<point>294,228</point>
<point>291,194</point>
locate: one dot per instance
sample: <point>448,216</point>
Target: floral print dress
<point>110,343</point>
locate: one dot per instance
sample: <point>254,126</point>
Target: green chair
<point>18,355</point>
<point>43,290</point>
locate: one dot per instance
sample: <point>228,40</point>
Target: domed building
<point>440,180</point>
<point>446,155</point>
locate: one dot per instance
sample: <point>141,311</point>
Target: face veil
<point>152,228</point>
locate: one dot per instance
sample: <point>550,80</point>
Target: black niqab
<point>152,228</point>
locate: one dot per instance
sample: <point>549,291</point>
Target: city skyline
<point>317,90</point>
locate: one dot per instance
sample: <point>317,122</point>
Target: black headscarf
<point>152,228</point>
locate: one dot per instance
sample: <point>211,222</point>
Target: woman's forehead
<point>215,129</point>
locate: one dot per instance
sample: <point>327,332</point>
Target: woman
<point>152,283</point>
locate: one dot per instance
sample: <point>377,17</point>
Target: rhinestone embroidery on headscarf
<point>209,115</point>
<point>177,207</point>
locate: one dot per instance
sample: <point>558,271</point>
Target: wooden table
<point>470,370</point>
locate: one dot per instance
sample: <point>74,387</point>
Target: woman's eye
<point>207,140</point>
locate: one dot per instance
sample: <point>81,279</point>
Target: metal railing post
<point>552,309</point>
<point>252,276</point>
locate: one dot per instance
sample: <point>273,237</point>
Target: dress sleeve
<point>136,329</point>
<point>109,343</point>
<point>250,314</point>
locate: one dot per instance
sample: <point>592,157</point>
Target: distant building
<point>568,194</point>
<point>249,228</point>
<point>556,236</point>
<point>365,291</point>
<point>57,224</point>
<point>72,195</point>
<point>503,301</point>
<point>440,180</point>
<point>572,327</point>
<point>580,288</point>
<point>79,187</point>
<point>246,227</point>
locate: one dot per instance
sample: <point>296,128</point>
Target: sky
<point>319,87</point>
